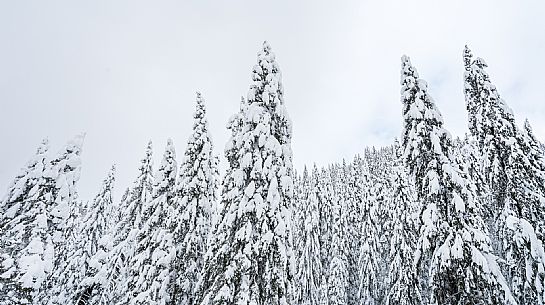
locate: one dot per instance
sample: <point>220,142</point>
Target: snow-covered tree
<point>402,280</point>
<point>369,257</point>
<point>85,252</point>
<point>26,248</point>
<point>125,232</point>
<point>355,189</point>
<point>95,245</point>
<point>337,278</point>
<point>197,186</point>
<point>462,268</point>
<point>250,259</point>
<point>325,208</point>
<point>309,261</point>
<point>149,280</point>
<point>63,211</point>
<point>514,172</point>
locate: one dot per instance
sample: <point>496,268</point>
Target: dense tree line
<point>429,219</point>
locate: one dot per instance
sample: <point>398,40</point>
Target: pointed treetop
<point>146,163</point>
<point>201,123</point>
<point>166,175</point>
<point>267,80</point>
<point>111,173</point>
<point>527,126</point>
<point>149,150</point>
<point>267,48</point>
<point>467,57</point>
<point>200,109</point>
<point>407,68</point>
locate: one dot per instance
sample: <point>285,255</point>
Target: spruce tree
<point>369,257</point>
<point>462,270</point>
<point>64,210</point>
<point>125,232</point>
<point>338,281</point>
<point>95,245</point>
<point>514,175</point>
<point>309,264</point>
<point>149,280</point>
<point>250,257</point>
<point>197,190</point>
<point>26,248</point>
<point>325,209</point>
<point>356,195</point>
<point>402,280</point>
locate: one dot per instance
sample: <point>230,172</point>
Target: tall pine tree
<point>197,186</point>
<point>309,264</point>
<point>514,176</point>
<point>149,280</point>
<point>250,260</point>
<point>462,268</point>
<point>96,244</point>
<point>125,232</point>
<point>404,288</point>
<point>26,248</point>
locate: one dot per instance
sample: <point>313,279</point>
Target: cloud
<point>126,71</point>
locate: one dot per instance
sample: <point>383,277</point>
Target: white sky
<point>127,71</point>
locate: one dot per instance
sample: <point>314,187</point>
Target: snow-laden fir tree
<point>125,231</point>
<point>26,248</point>
<point>338,277</point>
<point>197,185</point>
<point>63,211</point>
<point>368,263</point>
<point>301,193</point>
<point>325,208</point>
<point>309,262</point>
<point>149,280</point>
<point>403,285</point>
<point>462,268</point>
<point>85,252</point>
<point>250,259</point>
<point>469,155</point>
<point>356,194</point>
<point>515,176</point>
<point>96,244</point>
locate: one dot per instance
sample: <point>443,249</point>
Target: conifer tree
<point>368,260</point>
<point>325,208</point>
<point>338,281</point>
<point>250,257</point>
<point>95,244</point>
<point>197,186</point>
<point>26,248</point>
<point>125,232</point>
<point>402,280</point>
<point>356,195</point>
<point>463,270</point>
<point>514,176</point>
<point>74,279</point>
<point>149,279</point>
<point>63,211</point>
<point>309,265</point>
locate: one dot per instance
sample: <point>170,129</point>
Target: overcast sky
<point>127,71</point>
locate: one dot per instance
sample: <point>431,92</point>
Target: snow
<point>12,211</point>
<point>458,202</point>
